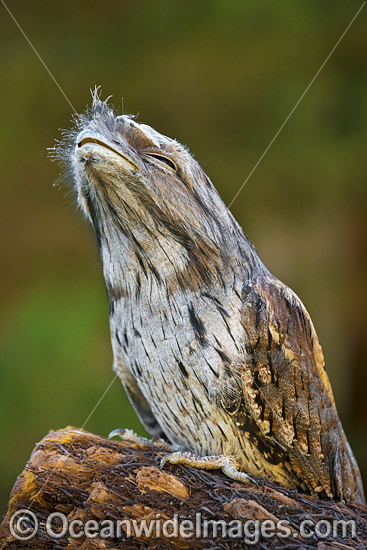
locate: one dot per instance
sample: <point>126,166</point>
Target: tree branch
<point>86,477</point>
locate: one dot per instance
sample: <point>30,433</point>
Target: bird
<point>218,357</point>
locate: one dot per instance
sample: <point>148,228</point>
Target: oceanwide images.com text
<point>25,525</point>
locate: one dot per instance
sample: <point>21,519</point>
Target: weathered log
<point>106,486</point>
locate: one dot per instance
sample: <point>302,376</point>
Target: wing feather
<point>286,394</point>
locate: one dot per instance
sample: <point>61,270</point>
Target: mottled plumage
<point>217,356</point>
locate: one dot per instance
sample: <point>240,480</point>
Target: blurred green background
<point>220,77</point>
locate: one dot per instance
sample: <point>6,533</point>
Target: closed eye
<point>161,158</point>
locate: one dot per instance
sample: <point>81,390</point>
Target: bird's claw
<point>226,464</point>
<point>131,437</point>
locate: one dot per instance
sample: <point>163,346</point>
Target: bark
<point>87,477</point>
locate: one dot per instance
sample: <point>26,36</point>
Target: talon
<point>226,464</point>
<point>171,457</point>
<point>117,432</point>
<point>129,436</point>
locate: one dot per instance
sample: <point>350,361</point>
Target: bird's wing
<point>287,401</point>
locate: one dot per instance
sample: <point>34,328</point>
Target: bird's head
<point>143,190</point>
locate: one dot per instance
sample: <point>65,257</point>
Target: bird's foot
<point>226,464</point>
<point>131,437</point>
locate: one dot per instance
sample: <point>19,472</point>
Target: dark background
<point>220,77</point>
